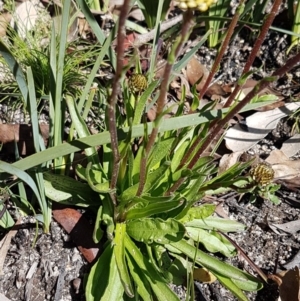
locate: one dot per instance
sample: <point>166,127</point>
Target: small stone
<point>76,285</point>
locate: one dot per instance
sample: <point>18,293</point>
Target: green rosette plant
<point>148,179</point>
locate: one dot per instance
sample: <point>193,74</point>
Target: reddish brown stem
<point>264,30</point>
<point>186,26</point>
<point>214,69</point>
<point>219,126</point>
<point>223,48</point>
<point>111,107</point>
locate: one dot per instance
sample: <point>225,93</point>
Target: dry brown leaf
<point>5,18</point>
<point>203,275</point>
<point>291,227</point>
<point>22,135</point>
<point>5,244</point>
<point>258,126</point>
<point>291,146</point>
<point>283,167</point>
<point>196,71</point>
<point>289,288</point>
<point>228,160</point>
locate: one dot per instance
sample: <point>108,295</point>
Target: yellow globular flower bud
<point>201,5</point>
<point>137,83</point>
<point>262,174</point>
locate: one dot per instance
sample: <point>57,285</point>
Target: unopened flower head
<point>201,5</point>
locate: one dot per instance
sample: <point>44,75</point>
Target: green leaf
<point>139,110</point>
<point>16,70</point>
<point>143,286</point>
<point>151,209</point>
<point>157,283</point>
<point>107,216</point>
<point>152,179</point>
<point>119,252</point>
<point>97,30</point>
<point>158,199</point>
<point>160,151</point>
<point>179,152</point>
<point>104,137</point>
<point>9,168</point>
<point>6,220</point>
<point>216,266</point>
<point>236,291</point>
<point>90,177</point>
<point>65,190</point>
<point>200,212</point>
<point>154,229</point>
<point>178,269</point>
<point>211,223</point>
<point>81,129</point>
<point>104,282</point>
<point>98,232</point>
<point>210,241</point>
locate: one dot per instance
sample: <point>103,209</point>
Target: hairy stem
<point>185,31</point>
<point>264,30</point>
<point>219,126</point>
<point>111,107</point>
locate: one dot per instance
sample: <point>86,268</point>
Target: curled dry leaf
<point>294,262</point>
<point>283,167</point>
<point>289,288</point>
<point>257,127</point>
<point>291,146</point>
<point>195,71</point>
<point>228,160</point>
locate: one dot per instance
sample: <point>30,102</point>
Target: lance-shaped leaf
<point>200,212</point>
<point>142,285</point>
<point>157,283</point>
<point>66,190</point>
<point>211,222</point>
<point>104,282</point>
<point>152,179</point>
<point>119,252</point>
<point>160,151</point>
<point>216,266</point>
<point>155,229</point>
<point>151,209</point>
<point>211,242</point>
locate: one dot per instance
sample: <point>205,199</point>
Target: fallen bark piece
<point>80,230</point>
<point>22,135</point>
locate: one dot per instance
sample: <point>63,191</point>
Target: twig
<point>142,39</point>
